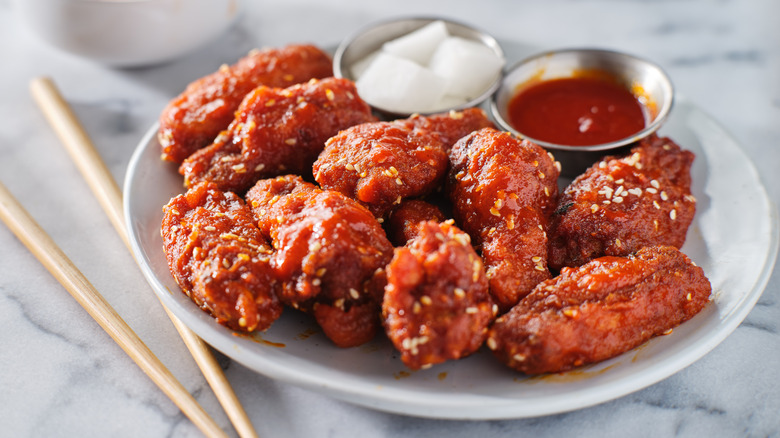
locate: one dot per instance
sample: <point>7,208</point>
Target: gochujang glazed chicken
<point>277,131</point>
<point>381,164</point>
<point>194,118</point>
<point>327,249</point>
<point>622,204</point>
<point>220,259</point>
<point>599,310</point>
<point>438,231</point>
<point>436,304</point>
<point>503,191</point>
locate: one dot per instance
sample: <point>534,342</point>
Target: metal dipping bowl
<point>645,80</point>
<point>371,37</point>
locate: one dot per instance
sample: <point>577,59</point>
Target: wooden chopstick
<point>50,255</point>
<point>100,180</point>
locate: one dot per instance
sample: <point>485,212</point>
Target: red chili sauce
<point>577,111</point>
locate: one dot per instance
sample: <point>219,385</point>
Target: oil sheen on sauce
<point>576,111</point>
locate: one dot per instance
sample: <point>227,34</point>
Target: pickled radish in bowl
<point>468,66</point>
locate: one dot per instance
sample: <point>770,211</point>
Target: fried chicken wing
<point>436,305</point>
<point>503,191</point>
<point>219,258</point>
<point>621,204</point>
<point>193,119</point>
<point>451,126</point>
<point>277,131</point>
<point>402,225</point>
<point>599,310</point>
<point>328,248</point>
<point>381,164</point>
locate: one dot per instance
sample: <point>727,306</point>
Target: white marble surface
<point>62,376</point>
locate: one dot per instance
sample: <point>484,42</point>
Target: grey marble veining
<point>62,376</point>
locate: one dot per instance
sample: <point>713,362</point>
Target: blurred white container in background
<point>128,33</point>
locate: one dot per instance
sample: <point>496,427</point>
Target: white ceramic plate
<point>734,238</point>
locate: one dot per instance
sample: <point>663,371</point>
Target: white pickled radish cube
<point>449,101</point>
<point>419,45</point>
<point>397,84</point>
<point>359,67</point>
<point>469,67</point>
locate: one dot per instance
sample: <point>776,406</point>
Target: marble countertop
<point>63,376</point>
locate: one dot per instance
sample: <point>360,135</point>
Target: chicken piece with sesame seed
<point>623,203</point>
<point>436,305</point>
<point>384,163</point>
<point>599,310</point>
<point>220,259</point>
<point>503,191</point>
<point>194,118</point>
<point>277,131</point>
<point>402,225</point>
<point>328,248</point>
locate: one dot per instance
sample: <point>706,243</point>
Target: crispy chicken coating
<point>436,305</point>
<point>219,258</point>
<point>503,191</point>
<point>451,126</point>
<point>599,310</point>
<point>193,119</point>
<point>277,131</point>
<point>381,164</point>
<point>402,225</point>
<point>328,248</point>
<point>622,204</point>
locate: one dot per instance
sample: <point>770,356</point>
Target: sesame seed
<point>539,267</point>
<point>606,202</point>
<point>494,212</point>
<point>416,307</point>
<point>651,190</point>
<point>439,236</point>
<point>226,263</point>
<point>314,247</point>
<point>688,297</point>
<point>259,167</point>
<point>541,175</point>
<point>329,94</point>
<point>655,184</point>
<point>557,165</point>
<point>617,199</point>
<point>673,214</point>
<point>664,196</point>
<point>426,300</point>
<point>380,220</point>
<point>239,168</point>
<point>619,181</point>
<point>602,164</point>
<point>354,293</point>
<point>471,310</point>
<point>291,141</point>
<point>394,171</point>
<point>499,203</point>
<point>546,191</point>
<point>397,200</point>
<point>350,166</point>
<point>339,303</point>
<point>571,313</point>
<point>270,102</point>
<point>242,321</point>
<point>536,259</point>
<point>209,228</point>
<point>226,158</point>
<point>655,204</point>
<point>460,293</point>
<point>510,222</point>
<point>320,272</point>
<point>455,115</point>
<point>316,282</point>
<point>519,357</point>
<point>397,181</point>
<point>244,257</point>
<point>495,309</point>
<point>594,208</point>
<point>491,343</point>
<point>667,332</point>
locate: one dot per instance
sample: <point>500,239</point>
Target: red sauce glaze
<point>577,111</point>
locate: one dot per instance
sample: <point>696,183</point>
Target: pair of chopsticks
<point>99,178</point>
